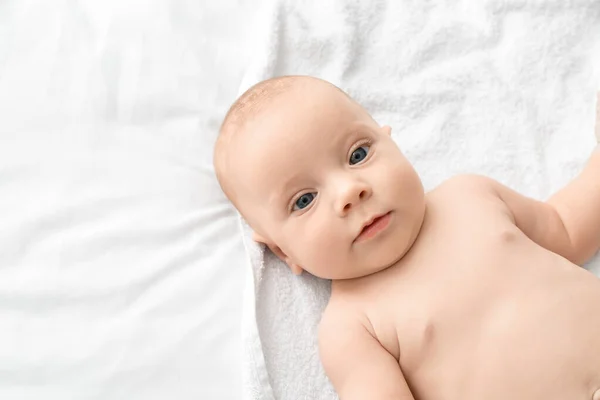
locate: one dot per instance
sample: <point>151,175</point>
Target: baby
<point>468,292</point>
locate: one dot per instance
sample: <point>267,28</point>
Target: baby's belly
<point>534,333</point>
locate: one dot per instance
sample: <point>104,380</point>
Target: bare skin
<point>470,291</point>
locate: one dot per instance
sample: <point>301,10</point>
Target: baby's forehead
<point>282,145</point>
<point>267,163</point>
<point>280,142</point>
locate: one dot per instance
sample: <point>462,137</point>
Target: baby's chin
<point>352,273</point>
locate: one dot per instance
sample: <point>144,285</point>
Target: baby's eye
<point>359,154</point>
<point>303,201</point>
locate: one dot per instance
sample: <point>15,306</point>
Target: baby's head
<point>317,179</point>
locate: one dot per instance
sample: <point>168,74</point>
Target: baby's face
<point>312,175</point>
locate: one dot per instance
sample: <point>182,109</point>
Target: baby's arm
<point>569,222</point>
<point>356,363</point>
<point>578,206</point>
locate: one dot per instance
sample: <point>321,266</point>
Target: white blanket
<point>121,262</point>
<point>502,88</point>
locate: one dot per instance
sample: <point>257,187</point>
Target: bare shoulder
<point>471,201</point>
<point>356,363</point>
<point>341,318</point>
<point>467,184</point>
<point>466,191</point>
<point>340,325</point>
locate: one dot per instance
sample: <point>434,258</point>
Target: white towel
<point>502,88</point>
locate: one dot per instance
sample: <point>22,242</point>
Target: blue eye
<point>304,201</point>
<point>359,154</point>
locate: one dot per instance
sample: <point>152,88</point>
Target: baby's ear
<point>258,238</point>
<point>296,269</point>
<point>387,130</point>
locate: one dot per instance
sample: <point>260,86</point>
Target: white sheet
<point>121,265</point>
<point>503,88</point>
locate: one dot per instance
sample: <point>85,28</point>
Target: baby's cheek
<point>387,172</point>
<point>324,245</point>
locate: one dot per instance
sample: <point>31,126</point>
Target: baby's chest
<point>456,295</point>
<point>498,355</point>
<point>505,319</point>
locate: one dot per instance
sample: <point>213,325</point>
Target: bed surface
<point>121,264</point>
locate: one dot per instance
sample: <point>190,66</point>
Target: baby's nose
<point>351,195</point>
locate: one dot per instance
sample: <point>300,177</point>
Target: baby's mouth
<point>374,227</point>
